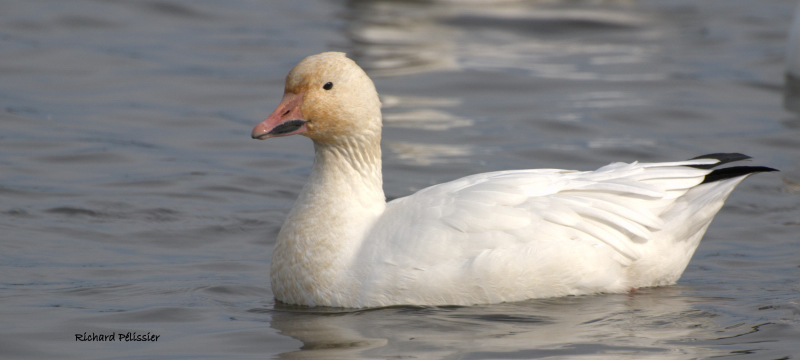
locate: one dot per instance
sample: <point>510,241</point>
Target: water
<point>133,200</point>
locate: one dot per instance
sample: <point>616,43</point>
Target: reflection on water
<point>606,99</point>
<point>391,101</point>
<point>428,154</point>
<point>609,41</point>
<point>655,323</point>
<point>424,114</point>
<point>392,38</point>
<point>425,119</point>
<point>418,113</point>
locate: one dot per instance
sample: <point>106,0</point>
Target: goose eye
<point>328,86</point>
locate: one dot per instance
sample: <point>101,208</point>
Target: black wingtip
<point>727,173</point>
<point>723,158</point>
<point>732,172</point>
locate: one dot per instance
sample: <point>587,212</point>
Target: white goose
<point>486,238</point>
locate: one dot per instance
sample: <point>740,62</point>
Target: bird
<point>493,237</point>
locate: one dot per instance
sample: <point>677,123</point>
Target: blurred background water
<point>133,200</point>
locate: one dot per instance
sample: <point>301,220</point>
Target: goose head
<point>327,98</point>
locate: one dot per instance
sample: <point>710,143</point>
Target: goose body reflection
<point>644,323</point>
<point>486,238</point>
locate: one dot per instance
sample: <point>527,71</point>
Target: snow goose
<point>486,238</point>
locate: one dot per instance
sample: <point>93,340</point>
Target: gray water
<point>133,200</point>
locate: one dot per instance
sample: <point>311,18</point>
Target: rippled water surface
<point>133,200</point>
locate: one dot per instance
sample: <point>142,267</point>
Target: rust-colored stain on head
<point>346,106</point>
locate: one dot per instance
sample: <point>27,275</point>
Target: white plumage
<point>485,238</point>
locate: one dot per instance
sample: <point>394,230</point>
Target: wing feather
<point>618,205</point>
<point>615,214</point>
<point>612,204</point>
